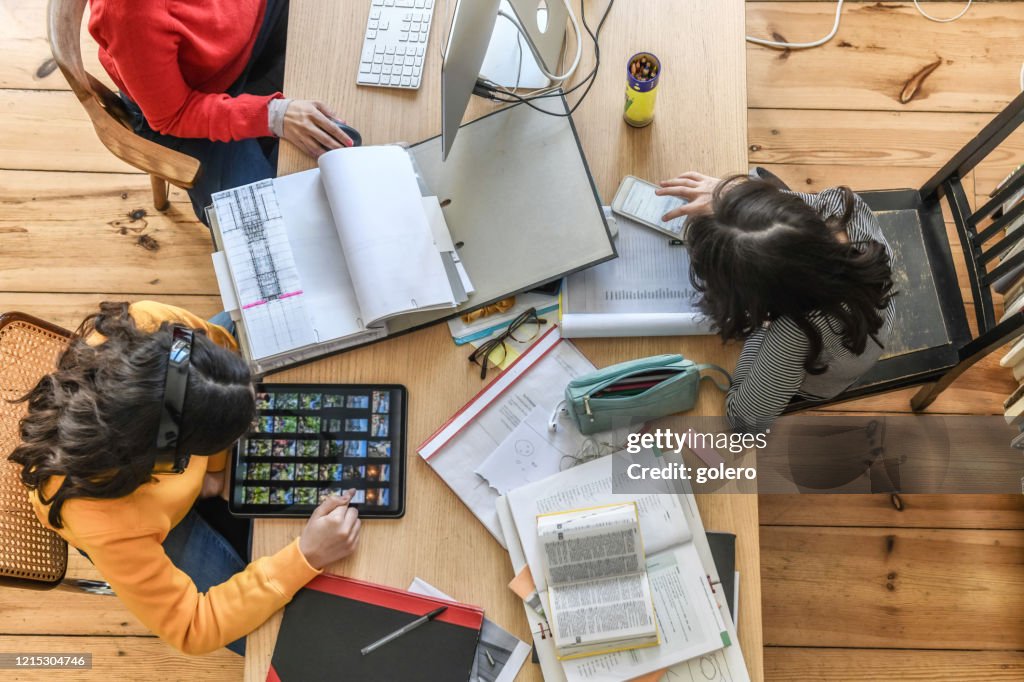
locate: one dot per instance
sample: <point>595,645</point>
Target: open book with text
<point>321,260</point>
<point>598,590</point>
<point>690,623</point>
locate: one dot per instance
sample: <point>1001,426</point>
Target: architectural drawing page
<point>270,293</point>
<point>387,241</point>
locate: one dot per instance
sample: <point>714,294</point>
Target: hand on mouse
<point>332,532</point>
<point>311,127</point>
<point>696,188</point>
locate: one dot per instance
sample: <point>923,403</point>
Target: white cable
<point>802,46</point>
<point>540,61</point>
<point>835,29</point>
<point>942,21</point>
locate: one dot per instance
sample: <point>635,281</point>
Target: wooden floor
<point>854,587</point>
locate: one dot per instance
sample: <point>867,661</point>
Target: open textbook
<point>596,572</point>
<point>690,621</point>
<point>324,258</point>
<point>646,291</point>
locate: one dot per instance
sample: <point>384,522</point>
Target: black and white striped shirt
<point>770,371</point>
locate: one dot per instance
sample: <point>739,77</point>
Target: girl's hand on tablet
<point>696,188</point>
<point>332,532</point>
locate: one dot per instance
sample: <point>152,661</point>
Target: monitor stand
<point>509,62</point>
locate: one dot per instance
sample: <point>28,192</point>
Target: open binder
<point>512,208</point>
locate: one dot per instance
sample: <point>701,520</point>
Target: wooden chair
<point>109,117</point>
<point>30,555</point>
<point>932,343</point>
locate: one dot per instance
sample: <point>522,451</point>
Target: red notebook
<point>332,618</point>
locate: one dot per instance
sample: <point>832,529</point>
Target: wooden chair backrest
<point>30,554</point>
<point>106,111</point>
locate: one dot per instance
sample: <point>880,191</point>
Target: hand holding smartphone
<point>636,200</point>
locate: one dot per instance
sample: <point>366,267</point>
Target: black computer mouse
<point>357,139</point>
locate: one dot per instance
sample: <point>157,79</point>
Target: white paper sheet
<point>259,255</point>
<point>533,452</point>
<point>646,291</point>
<point>462,445</point>
<point>385,235</point>
<point>331,300</point>
<point>507,651</point>
<point>662,517</point>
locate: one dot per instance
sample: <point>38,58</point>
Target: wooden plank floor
<point>855,587</point>
<point>876,587</point>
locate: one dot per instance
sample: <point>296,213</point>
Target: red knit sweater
<point>176,59</point>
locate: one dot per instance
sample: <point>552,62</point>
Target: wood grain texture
<point>868,138</point>
<point>892,588</point>
<point>61,135</point>
<point>472,566</point>
<point>992,512</point>
<point>68,310</point>
<point>26,62</point>
<point>879,49</point>
<point>27,612</point>
<point>124,658</point>
<point>88,232</point>
<point>785,664</point>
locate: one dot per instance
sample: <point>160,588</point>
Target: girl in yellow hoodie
<point>88,456</point>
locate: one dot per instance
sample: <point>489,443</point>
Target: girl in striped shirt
<point>804,280</point>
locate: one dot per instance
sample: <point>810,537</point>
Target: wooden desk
<point>700,124</point>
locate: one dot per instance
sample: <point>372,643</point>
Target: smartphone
<point>636,200</point>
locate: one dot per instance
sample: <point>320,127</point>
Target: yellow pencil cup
<point>643,71</point>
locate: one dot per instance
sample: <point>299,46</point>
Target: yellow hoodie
<point>123,537</point>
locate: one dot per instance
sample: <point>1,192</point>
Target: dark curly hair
<point>763,253</point>
<point>95,419</point>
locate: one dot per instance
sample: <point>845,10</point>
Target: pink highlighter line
<point>264,302</point>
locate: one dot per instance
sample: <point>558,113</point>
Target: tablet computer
<point>311,440</point>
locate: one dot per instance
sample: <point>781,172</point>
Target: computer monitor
<point>470,34</point>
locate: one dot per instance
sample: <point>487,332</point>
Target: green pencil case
<point>646,388</point>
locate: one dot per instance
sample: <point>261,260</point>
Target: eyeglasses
<point>524,328</point>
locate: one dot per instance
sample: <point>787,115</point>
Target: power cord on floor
<point>782,45</point>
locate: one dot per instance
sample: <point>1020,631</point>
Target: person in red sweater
<point>204,77</point>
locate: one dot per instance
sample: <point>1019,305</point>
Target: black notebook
<point>723,552</point>
<point>331,619</point>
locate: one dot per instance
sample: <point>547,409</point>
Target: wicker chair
<point>30,555</point>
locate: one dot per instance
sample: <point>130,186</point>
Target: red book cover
<point>331,619</point>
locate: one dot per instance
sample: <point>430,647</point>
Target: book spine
<point>1014,355</point>
<point>1014,397</point>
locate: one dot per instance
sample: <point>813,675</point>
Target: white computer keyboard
<point>395,45</point>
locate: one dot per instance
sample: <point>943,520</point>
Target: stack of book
<point>617,585</point>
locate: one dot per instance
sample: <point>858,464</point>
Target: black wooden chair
<point>932,343</point>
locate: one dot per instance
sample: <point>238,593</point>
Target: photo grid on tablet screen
<point>306,445</point>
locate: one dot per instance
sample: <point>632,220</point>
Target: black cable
<point>588,80</point>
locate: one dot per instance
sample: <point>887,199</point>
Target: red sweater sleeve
<point>145,49</point>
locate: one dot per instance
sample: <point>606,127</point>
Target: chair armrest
<point>178,169</point>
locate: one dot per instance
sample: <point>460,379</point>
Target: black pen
<point>402,630</point>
